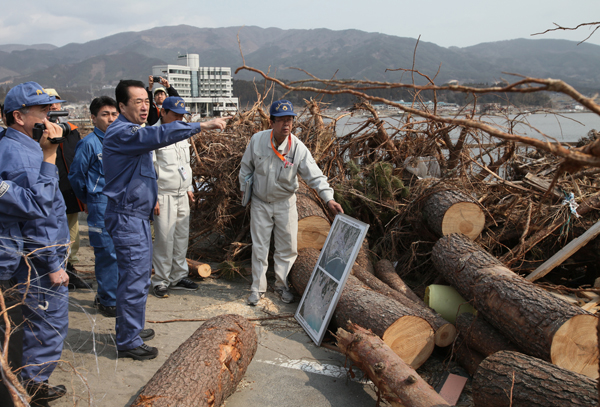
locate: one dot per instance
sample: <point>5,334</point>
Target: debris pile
<point>416,181</point>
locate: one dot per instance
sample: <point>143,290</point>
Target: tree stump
<point>206,368</point>
<point>398,382</point>
<point>513,379</point>
<point>409,335</point>
<point>445,332</point>
<point>533,319</point>
<point>451,211</point>
<point>481,336</point>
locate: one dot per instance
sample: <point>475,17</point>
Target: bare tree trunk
<point>481,336</point>
<point>397,381</point>
<point>513,379</point>
<point>206,368</point>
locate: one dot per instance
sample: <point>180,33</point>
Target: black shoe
<point>42,393</point>
<point>106,310</point>
<point>142,352</point>
<point>185,284</point>
<point>160,291</point>
<point>74,280</point>
<point>147,334</point>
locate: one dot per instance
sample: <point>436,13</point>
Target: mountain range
<point>346,54</point>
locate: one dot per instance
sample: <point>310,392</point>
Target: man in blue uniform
<point>46,239</point>
<point>131,189</point>
<point>86,176</point>
<point>19,205</point>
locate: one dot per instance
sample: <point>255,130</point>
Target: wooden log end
<point>464,217</point>
<point>445,335</point>
<point>312,232</point>
<point>411,338</point>
<point>575,345</point>
<point>198,269</point>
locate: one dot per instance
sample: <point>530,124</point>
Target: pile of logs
<point>519,325</point>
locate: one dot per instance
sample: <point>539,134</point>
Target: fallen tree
<point>206,368</point>
<point>512,379</point>
<point>397,381</point>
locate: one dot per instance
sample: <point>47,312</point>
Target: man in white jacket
<point>172,210</point>
<point>273,159</point>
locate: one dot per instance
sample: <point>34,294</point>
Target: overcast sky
<point>444,22</point>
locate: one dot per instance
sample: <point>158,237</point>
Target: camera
<point>38,128</point>
<point>156,79</point>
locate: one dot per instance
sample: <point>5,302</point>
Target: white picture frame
<point>329,276</point>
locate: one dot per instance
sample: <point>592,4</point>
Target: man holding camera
<point>20,205</point>
<point>131,189</point>
<point>159,97</point>
<point>46,240</point>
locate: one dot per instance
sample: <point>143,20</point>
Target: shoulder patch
<point>134,129</point>
<point>3,188</point>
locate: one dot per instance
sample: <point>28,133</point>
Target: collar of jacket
<point>99,133</point>
<point>23,139</point>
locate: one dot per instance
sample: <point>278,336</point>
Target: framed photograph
<point>329,276</point>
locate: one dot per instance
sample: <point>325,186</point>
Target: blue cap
<point>175,104</point>
<point>27,94</point>
<point>282,108</point>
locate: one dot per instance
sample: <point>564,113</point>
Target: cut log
<point>533,319</point>
<point>481,336</point>
<point>198,269</point>
<point>362,258</point>
<point>408,334</point>
<point>445,332</point>
<point>384,270</point>
<point>468,358</point>
<point>513,379</point>
<point>451,211</point>
<point>397,381</point>
<point>206,368</point>
<point>313,222</point>
<point>565,253</point>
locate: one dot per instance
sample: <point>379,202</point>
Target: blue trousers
<point>46,314</point>
<point>106,269</point>
<point>133,245</point>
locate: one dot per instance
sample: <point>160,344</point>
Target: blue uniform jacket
<point>127,159</point>
<point>21,162</point>
<point>86,173</point>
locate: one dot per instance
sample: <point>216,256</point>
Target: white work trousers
<point>281,218</point>
<point>171,234</point>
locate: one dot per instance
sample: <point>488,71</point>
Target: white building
<point>207,91</point>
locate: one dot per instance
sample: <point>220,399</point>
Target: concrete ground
<point>288,370</point>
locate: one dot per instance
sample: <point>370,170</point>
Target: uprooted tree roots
<point>372,169</point>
